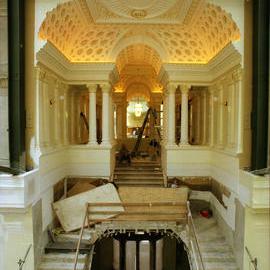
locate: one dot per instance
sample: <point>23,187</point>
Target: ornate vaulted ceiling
<point>80,39</point>
<point>144,33</point>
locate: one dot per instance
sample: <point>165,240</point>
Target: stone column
<point>111,121</point>
<point>239,110</point>
<point>92,139</point>
<point>220,117</point>
<point>204,116</point>
<point>165,117</point>
<point>39,109</point>
<point>171,114</point>
<point>124,119</point>
<point>106,88</point>
<point>230,106</point>
<point>72,118</point>
<point>45,113</point>
<point>184,114</point>
<point>119,119</point>
<point>211,116</point>
<point>66,116</point>
<point>198,118</point>
<point>77,117</point>
<point>56,113</point>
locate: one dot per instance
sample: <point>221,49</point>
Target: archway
<point>138,66</point>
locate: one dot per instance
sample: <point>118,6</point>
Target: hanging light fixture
<point>138,109</point>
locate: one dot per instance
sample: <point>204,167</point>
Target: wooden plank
<point>147,204</point>
<point>153,194</point>
<point>71,211</point>
<point>166,200</point>
<point>141,218</point>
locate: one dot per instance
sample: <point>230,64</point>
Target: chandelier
<point>138,109</point>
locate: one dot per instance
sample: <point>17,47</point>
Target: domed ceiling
<point>84,30</point>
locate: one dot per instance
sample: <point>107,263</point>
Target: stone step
<point>215,248</point>
<point>139,177</point>
<point>152,168</point>
<point>74,236</point>
<point>138,184</point>
<point>60,266</point>
<point>211,239</point>
<point>135,172</point>
<point>63,257</point>
<point>220,266</point>
<point>218,257</point>
<point>61,261</point>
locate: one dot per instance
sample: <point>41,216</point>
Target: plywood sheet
<point>152,195</point>
<point>71,211</point>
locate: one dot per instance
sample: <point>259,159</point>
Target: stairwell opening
<point>140,250</point>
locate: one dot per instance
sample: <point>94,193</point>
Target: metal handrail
<point>254,261</point>
<point>21,262</point>
<point>191,226</point>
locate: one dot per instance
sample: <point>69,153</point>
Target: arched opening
<point>138,66</point>
<point>140,250</point>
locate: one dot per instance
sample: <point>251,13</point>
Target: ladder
<point>141,130</point>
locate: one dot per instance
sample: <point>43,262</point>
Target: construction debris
<point>79,188</point>
<point>71,211</point>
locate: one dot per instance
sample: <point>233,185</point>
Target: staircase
<point>60,255</point>
<point>216,252</point>
<point>139,173</point>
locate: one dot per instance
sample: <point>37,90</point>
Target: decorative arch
<point>138,39</point>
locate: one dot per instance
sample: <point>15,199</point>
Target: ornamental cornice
<point>83,73</point>
<point>74,73</point>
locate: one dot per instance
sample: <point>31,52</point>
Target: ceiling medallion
<point>138,13</point>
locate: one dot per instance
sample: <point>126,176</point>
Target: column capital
<point>171,88</point>
<point>105,87</point>
<point>92,88</point>
<point>185,88</point>
<point>212,89</point>
<point>237,74</point>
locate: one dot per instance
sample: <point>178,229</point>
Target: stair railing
<point>193,241</point>
<point>21,262</point>
<point>254,261</point>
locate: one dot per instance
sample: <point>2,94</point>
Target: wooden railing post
<point>80,237</point>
